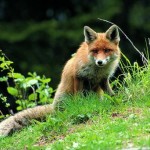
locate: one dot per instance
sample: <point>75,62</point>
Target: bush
<point>27,91</point>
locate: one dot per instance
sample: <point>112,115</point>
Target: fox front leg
<point>105,85</point>
<point>78,85</point>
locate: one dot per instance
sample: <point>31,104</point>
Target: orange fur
<point>94,62</point>
<point>74,74</point>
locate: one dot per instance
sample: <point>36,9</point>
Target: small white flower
<point>75,145</point>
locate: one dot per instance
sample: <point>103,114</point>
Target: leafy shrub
<point>27,91</point>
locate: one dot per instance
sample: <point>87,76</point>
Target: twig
<point>145,61</point>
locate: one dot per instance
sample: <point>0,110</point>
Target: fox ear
<point>112,34</point>
<point>90,35</point>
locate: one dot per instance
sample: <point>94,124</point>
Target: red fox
<point>90,69</point>
<point>94,62</point>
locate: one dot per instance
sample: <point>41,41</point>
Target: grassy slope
<point>88,123</point>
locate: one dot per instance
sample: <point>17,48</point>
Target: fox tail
<point>23,118</point>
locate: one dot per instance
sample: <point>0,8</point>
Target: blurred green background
<point>40,35</point>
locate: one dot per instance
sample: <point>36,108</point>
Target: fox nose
<point>100,62</point>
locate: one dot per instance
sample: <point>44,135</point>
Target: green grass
<point>88,123</point>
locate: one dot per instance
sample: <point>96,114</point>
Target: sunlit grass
<point>88,122</point>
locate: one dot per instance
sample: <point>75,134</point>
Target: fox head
<point>103,48</point>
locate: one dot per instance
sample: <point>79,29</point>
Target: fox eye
<point>107,50</point>
<point>95,51</point>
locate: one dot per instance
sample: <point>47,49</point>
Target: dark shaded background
<point>40,35</point>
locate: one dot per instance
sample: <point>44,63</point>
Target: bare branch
<point>145,61</point>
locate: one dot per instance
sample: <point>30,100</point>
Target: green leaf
<point>19,108</point>
<point>50,90</point>
<point>18,102</point>
<point>3,79</point>
<point>7,105</point>
<point>12,91</point>
<point>5,64</point>
<point>30,83</point>
<point>31,104</point>
<point>46,80</point>
<point>15,75</point>
<point>33,96</point>
<point>43,100</point>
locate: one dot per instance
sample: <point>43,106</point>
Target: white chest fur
<point>94,73</point>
